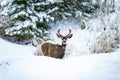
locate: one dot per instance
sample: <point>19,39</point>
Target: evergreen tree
<point>31,18</point>
<point>27,20</point>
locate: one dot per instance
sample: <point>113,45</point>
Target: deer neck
<point>64,46</point>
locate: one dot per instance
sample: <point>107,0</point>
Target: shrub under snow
<point>106,33</point>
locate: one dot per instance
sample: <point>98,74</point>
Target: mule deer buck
<point>55,50</point>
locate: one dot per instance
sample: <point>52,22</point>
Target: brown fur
<point>49,49</point>
<point>55,50</point>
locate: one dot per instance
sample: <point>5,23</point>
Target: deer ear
<point>58,35</point>
<point>69,36</point>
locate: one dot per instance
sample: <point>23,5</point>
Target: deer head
<point>64,38</point>
<point>55,50</point>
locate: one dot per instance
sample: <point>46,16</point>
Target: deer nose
<point>64,41</point>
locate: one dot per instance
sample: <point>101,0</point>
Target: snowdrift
<point>30,67</point>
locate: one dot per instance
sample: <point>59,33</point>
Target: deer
<point>55,50</point>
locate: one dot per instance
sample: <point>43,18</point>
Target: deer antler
<point>58,34</point>
<point>53,50</point>
<point>58,31</point>
<point>69,33</point>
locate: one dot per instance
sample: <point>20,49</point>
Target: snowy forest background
<point>31,19</point>
<point>36,21</point>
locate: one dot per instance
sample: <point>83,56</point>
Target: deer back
<point>53,50</point>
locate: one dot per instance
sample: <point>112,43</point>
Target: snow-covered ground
<point>18,62</point>
<point>8,49</point>
<point>21,64</point>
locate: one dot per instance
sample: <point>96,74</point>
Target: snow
<point>4,3</point>
<point>8,49</point>
<point>17,62</point>
<point>91,67</point>
<point>53,1</point>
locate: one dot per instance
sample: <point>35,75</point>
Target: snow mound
<point>17,62</point>
<point>11,49</point>
<point>90,67</point>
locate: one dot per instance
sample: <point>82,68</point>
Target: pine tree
<point>28,22</point>
<point>31,18</point>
